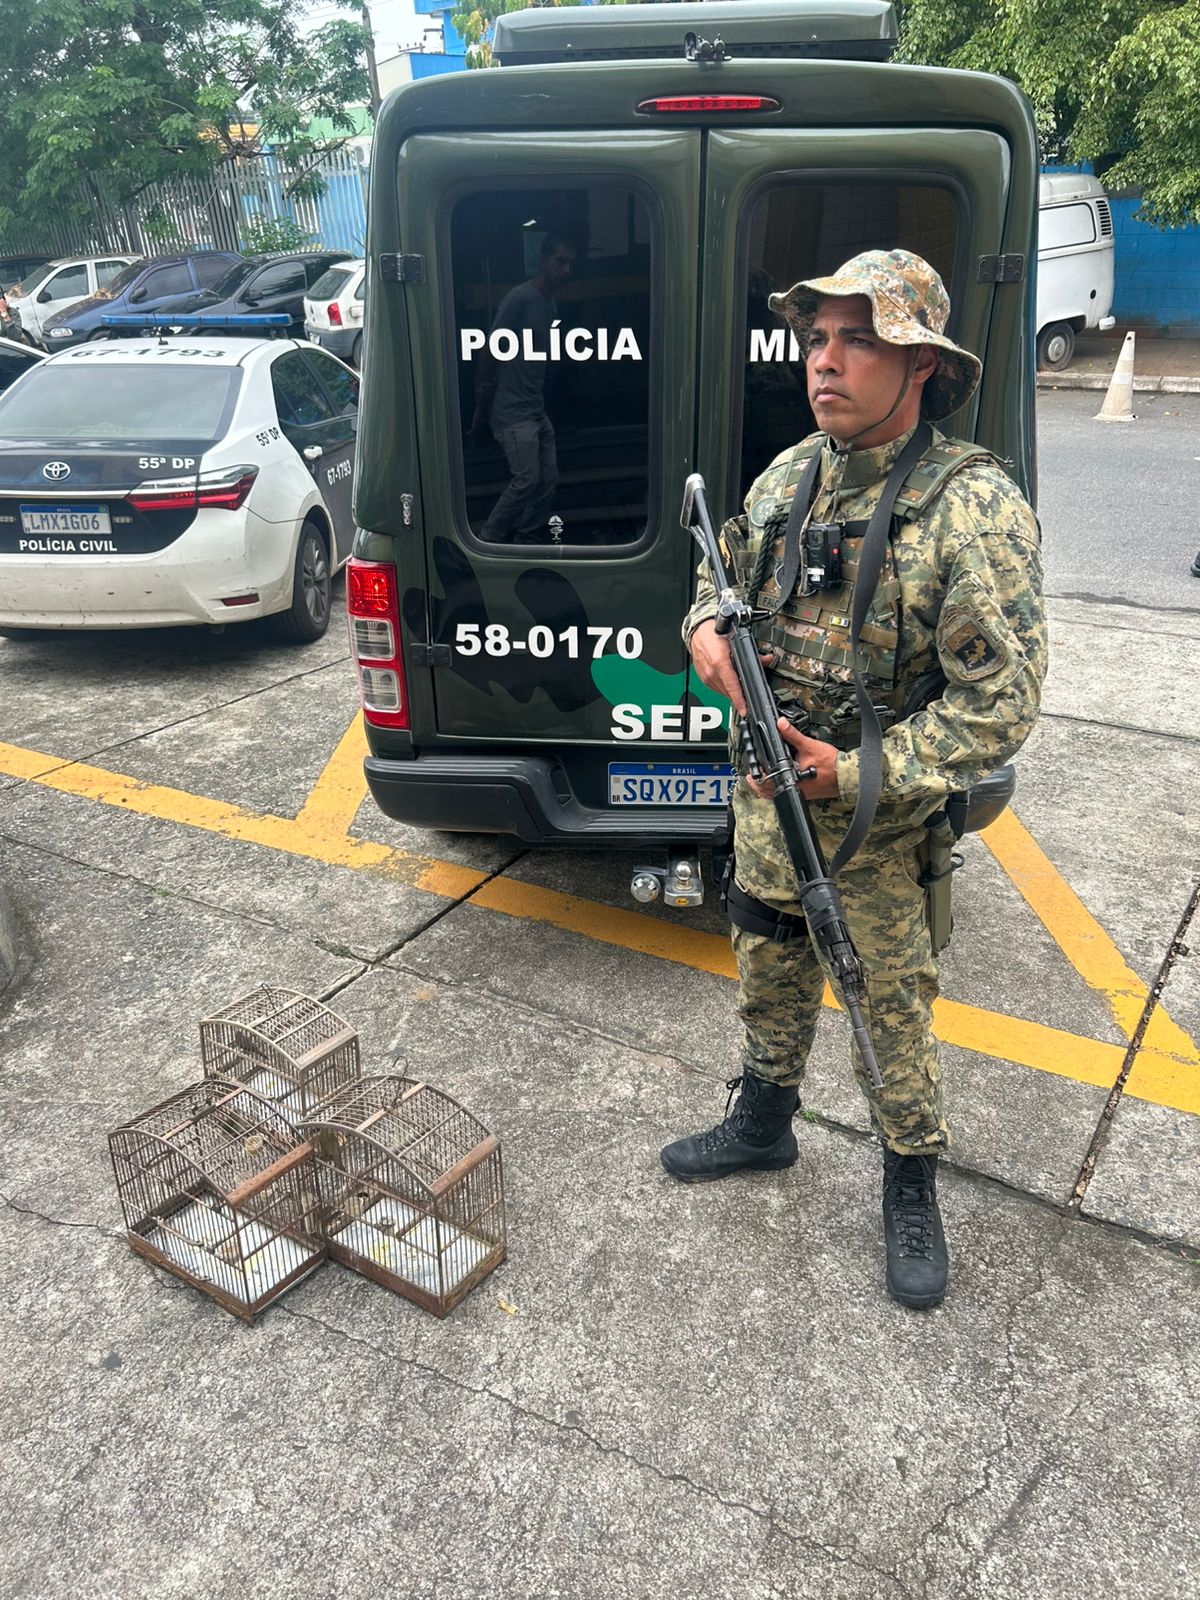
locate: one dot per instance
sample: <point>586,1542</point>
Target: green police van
<point>569,263</point>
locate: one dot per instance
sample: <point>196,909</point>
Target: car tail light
<point>335,314</point>
<point>373,605</point>
<point>224,489</point>
<point>165,494</point>
<point>709,102</point>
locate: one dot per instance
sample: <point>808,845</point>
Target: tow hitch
<point>679,883</point>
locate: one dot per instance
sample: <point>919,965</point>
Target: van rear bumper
<point>518,795</point>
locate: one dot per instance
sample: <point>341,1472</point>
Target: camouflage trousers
<point>780,985</point>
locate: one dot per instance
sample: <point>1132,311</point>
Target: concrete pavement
<point>701,1391</point>
<point>1161,366</point>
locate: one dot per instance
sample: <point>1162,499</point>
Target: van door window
<point>799,230</point>
<point>551,323</point>
<point>1059,226</point>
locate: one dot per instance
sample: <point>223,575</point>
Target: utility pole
<point>372,68</point>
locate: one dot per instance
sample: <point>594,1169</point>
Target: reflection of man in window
<point>513,393</point>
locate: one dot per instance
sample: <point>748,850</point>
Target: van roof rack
<point>822,30</point>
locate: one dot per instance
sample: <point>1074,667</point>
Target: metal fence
<point>214,212</point>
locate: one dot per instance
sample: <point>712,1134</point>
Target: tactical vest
<point>810,634</point>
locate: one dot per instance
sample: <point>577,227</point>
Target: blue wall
<point>1156,271</point>
<point>1156,274</point>
<point>432,66</point>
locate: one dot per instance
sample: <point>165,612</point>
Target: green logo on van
<point>648,704</point>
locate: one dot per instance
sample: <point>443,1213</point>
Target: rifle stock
<point>817,892</point>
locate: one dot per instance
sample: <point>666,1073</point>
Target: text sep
<point>666,722</point>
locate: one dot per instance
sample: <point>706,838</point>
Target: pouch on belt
<point>965,811</point>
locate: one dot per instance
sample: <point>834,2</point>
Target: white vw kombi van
<point>1075,264</point>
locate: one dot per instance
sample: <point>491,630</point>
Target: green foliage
<point>118,94</point>
<point>263,233</point>
<point>474,20</point>
<point>1115,83</point>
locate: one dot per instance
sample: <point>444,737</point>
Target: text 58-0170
<point>494,639</point>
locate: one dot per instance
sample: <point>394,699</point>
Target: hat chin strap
<point>848,445</point>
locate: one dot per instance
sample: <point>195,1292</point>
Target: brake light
<point>335,314</point>
<point>224,489</point>
<point>169,494</point>
<point>373,607</point>
<point>709,102</point>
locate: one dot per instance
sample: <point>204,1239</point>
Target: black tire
<point>356,354</point>
<point>307,618</point>
<point>20,633</point>
<point>1055,346</point>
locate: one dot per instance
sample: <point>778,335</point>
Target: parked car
<point>141,286</point>
<point>1075,264</point>
<point>165,482</point>
<point>264,284</point>
<point>333,310</point>
<point>55,286</point>
<point>14,268</point>
<point>16,359</point>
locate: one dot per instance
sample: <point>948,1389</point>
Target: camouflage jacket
<point>962,589</point>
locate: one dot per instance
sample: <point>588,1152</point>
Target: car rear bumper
<point>221,557</point>
<point>527,796</point>
<point>338,341</point>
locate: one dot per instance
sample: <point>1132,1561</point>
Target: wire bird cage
<point>218,1188</point>
<point>285,1046</point>
<point>412,1189</point>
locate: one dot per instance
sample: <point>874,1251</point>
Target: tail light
<point>335,314</point>
<point>223,489</point>
<point>373,604</point>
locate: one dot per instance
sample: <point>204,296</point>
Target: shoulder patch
<point>971,643</point>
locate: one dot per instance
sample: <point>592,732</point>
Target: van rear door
<point>781,204</point>
<point>554,433</point>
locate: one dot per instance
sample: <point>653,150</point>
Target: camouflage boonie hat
<point>909,305</point>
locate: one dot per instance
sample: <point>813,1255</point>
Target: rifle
<point>818,894</point>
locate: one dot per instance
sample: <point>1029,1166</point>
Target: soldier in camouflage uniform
<point>957,613</point>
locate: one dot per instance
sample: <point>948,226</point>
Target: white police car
<point>161,481</point>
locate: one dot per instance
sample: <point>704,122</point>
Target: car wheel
<point>1055,346</point>
<point>307,618</point>
<point>356,354</point>
<point>20,633</point>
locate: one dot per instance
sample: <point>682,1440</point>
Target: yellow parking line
<point>236,822</point>
<point>334,799</point>
<point>987,1033</point>
<point>1164,1073</point>
<point>1082,940</point>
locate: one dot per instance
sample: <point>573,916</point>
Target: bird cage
<point>218,1188</point>
<point>412,1190</point>
<point>287,1047</point>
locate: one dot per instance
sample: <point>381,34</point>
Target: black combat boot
<point>757,1132</point>
<point>917,1263</point>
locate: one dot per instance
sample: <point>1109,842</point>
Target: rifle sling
<point>870,566</point>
